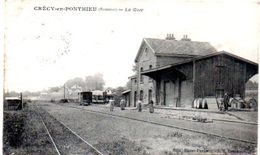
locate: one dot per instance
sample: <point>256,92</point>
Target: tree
<point>128,85</point>
<point>95,82</point>
<point>12,94</point>
<point>54,89</point>
<point>118,95</point>
<point>76,83</point>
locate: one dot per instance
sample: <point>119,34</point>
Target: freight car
<point>85,98</point>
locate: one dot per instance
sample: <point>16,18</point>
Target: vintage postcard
<point>128,77</point>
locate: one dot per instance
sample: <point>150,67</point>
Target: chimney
<point>170,37</point>
<point>185,38</point>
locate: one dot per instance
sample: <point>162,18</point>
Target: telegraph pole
<point>21,96</point>
<point>64,92</point>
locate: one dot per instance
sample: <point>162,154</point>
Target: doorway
<point>150,95</point>
<point>168,93</point>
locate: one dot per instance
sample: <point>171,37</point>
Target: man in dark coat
<point>139,106</point>
<point>122,104</point>
<point>151,108</point>
<point>226,101</point>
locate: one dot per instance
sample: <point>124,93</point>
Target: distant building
<point>175,72</point>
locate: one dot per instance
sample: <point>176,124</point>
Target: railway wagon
<point>99,97</point>
<point>85,98</point>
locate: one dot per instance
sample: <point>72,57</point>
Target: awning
<point>170,70</point>
<point>154,71</point>
<point>127,91</point>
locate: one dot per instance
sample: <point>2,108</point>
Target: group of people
<point>151,107</point>
<point>139,105</point>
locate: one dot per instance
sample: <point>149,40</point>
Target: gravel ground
<point>250,116</point>
<point>228,129</point>
<point>187,114</point>
<point>121,136</point>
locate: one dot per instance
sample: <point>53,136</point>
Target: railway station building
<point>175,72</point>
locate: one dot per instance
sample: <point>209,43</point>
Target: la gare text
<point>90,9</point>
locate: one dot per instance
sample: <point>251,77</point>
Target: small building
<point>109,94</point>
<point>85,98</point>
<point>13,103</point>
<point>174,73</point>
<point>126,96</point>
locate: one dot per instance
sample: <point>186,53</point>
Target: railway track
<point>63,138</point>
<point>52,141</point>
<point>166,125</point>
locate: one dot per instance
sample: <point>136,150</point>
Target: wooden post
<point>193,77</point>
<point>157,90</point>
<point>179,93</point>
<point>244,81</point>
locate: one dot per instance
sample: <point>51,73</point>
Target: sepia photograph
<point>121,77</point>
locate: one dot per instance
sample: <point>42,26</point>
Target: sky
<point>46,48</point>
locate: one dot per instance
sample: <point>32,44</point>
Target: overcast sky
<point>46,48</point>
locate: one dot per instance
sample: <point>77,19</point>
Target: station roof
<point>184,48</point>
<point>151,71</point>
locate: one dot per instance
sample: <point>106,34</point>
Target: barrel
<point>199,103</point>
<point>194,103</point>
<point>204,104</point>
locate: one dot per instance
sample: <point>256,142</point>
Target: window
<point>141,95</point>
<point>150,95</point>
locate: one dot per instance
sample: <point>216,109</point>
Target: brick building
<point>175,72</point>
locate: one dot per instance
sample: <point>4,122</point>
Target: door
<point>168,94</point>
<point>128,100</point>
<point>135,95</point>
<point>149,95</point>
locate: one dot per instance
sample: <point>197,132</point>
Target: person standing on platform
<point>139,106</point>
<point>226,101</point>
<point>151,108</point>
<point>112,104</point>
<point>122,104</point>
